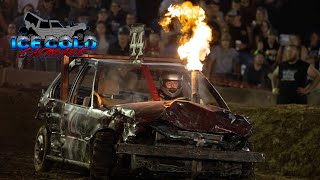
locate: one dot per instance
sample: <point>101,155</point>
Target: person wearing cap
<point>121,47</point>
<point>230,16</point>
<point>170,85</point>
<point>290,79</point>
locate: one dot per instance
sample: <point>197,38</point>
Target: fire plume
<point>196,35</point>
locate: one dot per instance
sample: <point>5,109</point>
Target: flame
<point>192,20</point>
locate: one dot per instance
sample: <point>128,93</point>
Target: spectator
<point>296,41</point>
<point>229,18</point>
<point>117,16</point>
<point>291,78</point>
<point>153,48</point>
<point>130,19</point>
<point>256,73</point>
<point>8,56</point>
<point>101,35</point>
<point>214,8</point>
<point>47,10</point>
<point>19,21</point>
<point>9,9</point>
<point>247,10</point>
<point>271,49</point>
<point>258,47</point>
<point>240,36</point>
<point>223,59</point>
<point>235,5</point>
<point>121,47</point>
<point>261,16</point>
<point>215,19</point>
<point>103,16</point>
<point>265,30</point>
<point>165,4</point>
<point>314,49</point>
<point>170,44</point>
<point>81,12</point>
<point>127,5</point>
<point>100,4</point>
<point>23,3</point>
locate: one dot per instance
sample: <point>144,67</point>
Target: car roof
<point>126,59</point>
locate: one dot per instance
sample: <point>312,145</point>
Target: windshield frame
<point>210,87</point>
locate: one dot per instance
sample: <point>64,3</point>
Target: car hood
<point>190,116</point>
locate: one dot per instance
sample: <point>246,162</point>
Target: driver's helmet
<point>171,84</point>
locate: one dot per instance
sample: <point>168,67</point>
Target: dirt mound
<point>289,135</point>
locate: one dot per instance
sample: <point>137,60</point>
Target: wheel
<point>103,158</point>
<point>41,149</point>
<point>80,35</point>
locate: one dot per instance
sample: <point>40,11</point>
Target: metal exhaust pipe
<point>195,86</point>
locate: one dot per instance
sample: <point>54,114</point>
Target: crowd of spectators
<point>246,46</point>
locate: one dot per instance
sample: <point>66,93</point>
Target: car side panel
<point>74,146</point>
<point>50,111</point>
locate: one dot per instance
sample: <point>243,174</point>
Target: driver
<point>170,85</point>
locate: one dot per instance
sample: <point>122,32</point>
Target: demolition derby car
<point>103,113</point>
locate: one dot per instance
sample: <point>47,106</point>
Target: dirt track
<point>17,132</point>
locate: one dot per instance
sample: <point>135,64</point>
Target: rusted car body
<point>99,113</point>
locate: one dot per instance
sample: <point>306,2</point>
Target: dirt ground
<point>18,129</point>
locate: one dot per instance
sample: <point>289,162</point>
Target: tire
<point>41,149</point>
<point>103,157</point>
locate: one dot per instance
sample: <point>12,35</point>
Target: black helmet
<point>171,76</point>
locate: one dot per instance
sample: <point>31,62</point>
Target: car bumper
<point>190,153</point>
<point>189,160</point>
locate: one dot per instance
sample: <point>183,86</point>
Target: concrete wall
<point>247,96</point>
<point>33,79</point>
<point>26,78</point>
